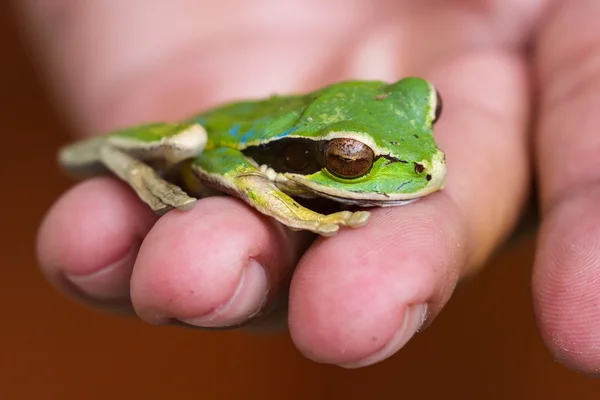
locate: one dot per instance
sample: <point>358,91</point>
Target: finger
<point>89,240</point>
<point>359,297</point>
<point>186,270</point>
<point>218,265</point>
<point>567,265</point>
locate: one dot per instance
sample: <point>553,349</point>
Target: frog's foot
<point>328,225</point>
<point>349,218</point>
<point>265,197</point>
<point>159,194</point>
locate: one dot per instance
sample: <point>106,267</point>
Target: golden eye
<point>348,158</point>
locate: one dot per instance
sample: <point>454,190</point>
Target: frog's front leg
<point>228,170</point>
<point>124,152</point>
<point>152,189</point>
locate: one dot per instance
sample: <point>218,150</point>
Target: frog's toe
<point>187,204</point>
<point>320,228</point>
<point>161,208</point>
<point>358,219</point>
<point>349,218</point>
<point>327,229</point>
<point>170,195</point>
<point>156,205</point>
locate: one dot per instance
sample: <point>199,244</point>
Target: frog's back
<point>244,123</point>
<point>248,123</point>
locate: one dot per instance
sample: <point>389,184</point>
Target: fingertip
<point>216,265</point>
<point>88,239</point>
<point>566,270</point>
<point>358,298</point>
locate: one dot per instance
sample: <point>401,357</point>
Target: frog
<point>358,143</point>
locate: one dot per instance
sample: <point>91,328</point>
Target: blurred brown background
<point>483,346</point>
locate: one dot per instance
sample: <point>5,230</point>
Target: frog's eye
<point>438,107</point>
<point>348,158</point>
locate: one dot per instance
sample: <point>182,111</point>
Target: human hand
<point>356,298</point>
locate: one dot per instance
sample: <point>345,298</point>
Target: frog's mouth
<point>303,186</point>
<point>351,198</point>
<point>374,203</point>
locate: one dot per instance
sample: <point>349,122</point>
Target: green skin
<point>244,149</point>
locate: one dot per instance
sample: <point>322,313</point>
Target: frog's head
<point>381,150</point>
<point>364,143</point>
<point>356,173</point>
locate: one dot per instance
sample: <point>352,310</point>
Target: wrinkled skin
<point>388,278</point>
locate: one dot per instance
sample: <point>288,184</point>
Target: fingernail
<point>110,282</point>
<point>413,320</point>
<point>247,300</point>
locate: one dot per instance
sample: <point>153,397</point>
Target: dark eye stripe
<point>297,155</point>
<point>291,155</point>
